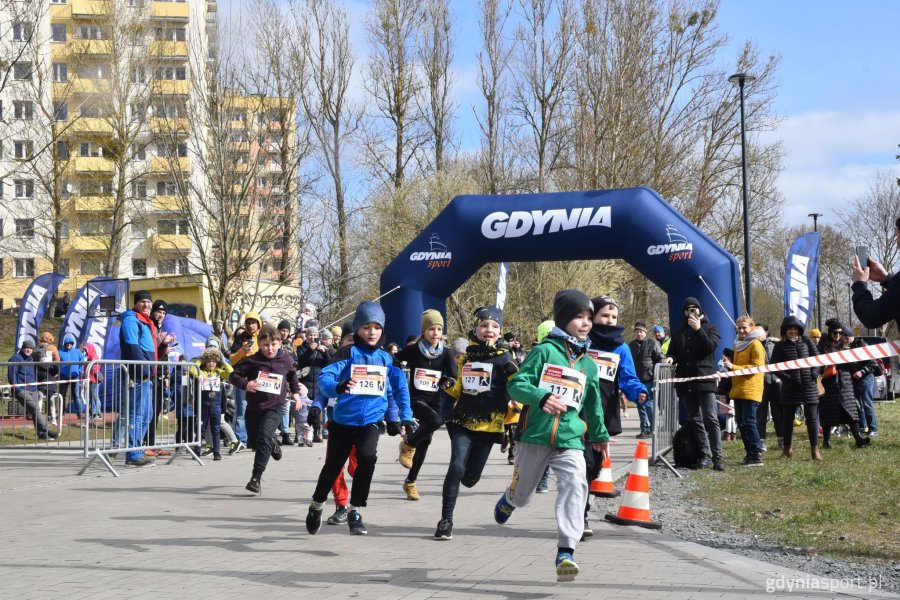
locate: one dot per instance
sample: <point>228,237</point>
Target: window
<point>92,266</point>
<point>1,228</point>
<point>63,267</point>
<point>173,266</point>
<point>25,228</point>
<point>139,267</point>
<point>170,34</point>
<point>62,151</point>
<point>23,109</point>
<point>167,188</point>
<point>24,188</point>
<point>24,149</point>
<point>140,190</point>
<point>60,72</point>
<point>176,73</point>
<point>2,274</point>
<point>97,188</point>
<point>172,226</point>
<point>22,31</point>
<point>64,228</point>
<point>94,227</point>
<point>57,1</point>
<point>90,149</point>
<point>138,110</point>
<point>261,182</point>
<point>91,32</point>
<point>1,195</point>
<point>139,231</point>
<point>61,111</point>
<point>58,32</point>
<point>99,71</point>
<point>22,71</point>
<point>24,267</point>
<point>168,150</point>
<point>138,75</point>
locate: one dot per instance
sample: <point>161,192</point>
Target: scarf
<point>478,350</point>
<point>152,325</point>
<point>757,333</point>
<point>429,351</point>
<point>576,347</point>
<point>606,336</point>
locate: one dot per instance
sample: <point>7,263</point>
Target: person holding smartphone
<point>871,312</point>
<point>692,350</point>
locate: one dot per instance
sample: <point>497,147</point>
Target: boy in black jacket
<point>266,375</point>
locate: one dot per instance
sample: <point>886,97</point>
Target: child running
<point>476,423</point>
<point>431,368</point>
<point>360,376</point>
<point>266,375</point>
<point>558,380</point>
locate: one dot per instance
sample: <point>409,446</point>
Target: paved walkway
<point>183,530</point>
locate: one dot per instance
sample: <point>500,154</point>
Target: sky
<point>839,94</point>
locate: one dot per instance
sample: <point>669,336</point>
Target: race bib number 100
<point>476,377</point>
<point>564,382</point>
<point>371,380</point>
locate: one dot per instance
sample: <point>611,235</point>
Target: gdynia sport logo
<point>438,256</point>
<point>537,222</point>
<point>678,248</point>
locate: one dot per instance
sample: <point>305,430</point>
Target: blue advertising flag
<point>34,306</point>
<point>81,319</point>
<point>190,337</point>
<point>800,276</point>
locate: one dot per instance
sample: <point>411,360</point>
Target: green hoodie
<point>564,430</point>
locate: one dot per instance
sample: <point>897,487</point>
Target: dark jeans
<point>745,415</point>
<point>703,414</point>
<point>469,451</point>
<point>158,400</point>
<point>341,440</point>
<point>261,426</point>
<point>74,391</point>
<point>771,403</point>
<point>811,411</point>
<point>211,418</point>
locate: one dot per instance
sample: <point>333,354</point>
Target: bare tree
<point>493,63</point>
<point>869,220</point>
<point>435,50</point>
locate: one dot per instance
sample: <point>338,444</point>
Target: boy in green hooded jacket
<point>557,384</point>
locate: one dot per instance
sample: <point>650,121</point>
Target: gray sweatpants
<point>571,485</point>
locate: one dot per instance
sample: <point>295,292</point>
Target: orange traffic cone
<point>602,487</point>
<point>635,509</point>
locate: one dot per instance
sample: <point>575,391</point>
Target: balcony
<point>59,53</point>
<point>162,203</point>
<point>169,10</point>
<point>86,243</point>
<point>94,164</point>
<point>86,47</point>
<point>169,125</point>
<point>168,49</point>
<point>91,8</point>
<point>171,87</point>
<point>81,85</point>
<point>162,164</point>
<point>170,243</point>
<point>95,204</point>
<point>60,12</point>
<point>94,125</point>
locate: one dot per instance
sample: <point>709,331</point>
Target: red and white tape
<point>841,357</point>
<point>39,384</point>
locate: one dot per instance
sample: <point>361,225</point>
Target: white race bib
<point>607,363</point>
<point>371,380</point>
<point>476,377</point>
<point>269,383</point>
<point>426,380</point>
<point>210,384</point>
<point>564,382</point>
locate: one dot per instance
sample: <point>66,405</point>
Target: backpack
<point>684,447</point>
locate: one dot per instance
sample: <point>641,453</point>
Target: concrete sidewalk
<point>184,530</point>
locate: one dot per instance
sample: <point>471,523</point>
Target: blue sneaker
<point>566,567</point>
<point>503,510</point>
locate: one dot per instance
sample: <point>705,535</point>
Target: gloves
<point>409,426</point>
<point>446,382</point>
<point>393,428</point>
<point>314,417</point>
<point>342,387</point>
<point>510,368</point>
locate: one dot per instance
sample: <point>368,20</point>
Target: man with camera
<point>692,350</point>
<point>871,312</point>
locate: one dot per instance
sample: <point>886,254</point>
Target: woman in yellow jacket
<point>747,390</point>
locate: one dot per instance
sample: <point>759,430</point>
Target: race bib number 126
<point>371,380</point>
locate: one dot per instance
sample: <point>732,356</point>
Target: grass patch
<point>848,506</point>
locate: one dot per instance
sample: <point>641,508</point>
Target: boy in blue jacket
<point>360,376</point>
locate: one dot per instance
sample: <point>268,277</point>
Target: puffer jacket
<point>839,404</point>
<point>72,354</point>
<point>798,385</point>
<point>749,387</point>
<point>694,356</point>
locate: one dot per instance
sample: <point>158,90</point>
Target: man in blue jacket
<point>68,372</point>
<point>22,376</point>
<point>137,338</point>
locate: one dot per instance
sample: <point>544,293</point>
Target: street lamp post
<point>815,218</point>
<point>740,79</point>
<point>849,305</point>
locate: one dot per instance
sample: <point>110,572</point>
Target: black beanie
<point>346,329</point>
<point>142,295</point>
<point>491,313</point>
<point>567,304</point>
<point>691,301</point>
<point>159,305</point>
<point>285,324</point>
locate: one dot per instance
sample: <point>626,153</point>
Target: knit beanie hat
<point>28,344</point>
<point>430,318</point>
<point>336,331</point>
<point>568,304</point>
<point>325,335</point>
<point>142,295</point>
<point>691,301</point>
<point>543,329</point>
<point>491,313</point>
<point>848,332</point>
<point>312,331</point>
<point>368,312</point>
<point>160,305</point>
<point>815,333</point>
<point>659,329</point>
<point>284,324</point>
<point>835,325</point>
<point>347,329</point>
<point>640,326</point>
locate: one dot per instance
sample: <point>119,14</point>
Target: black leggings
<point>469,451</point>
<point>811,412</point>
<point>341,440</point>
<point>429,422</point>
<point>261,436</point>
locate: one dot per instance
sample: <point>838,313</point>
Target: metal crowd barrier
<point>665,415</point>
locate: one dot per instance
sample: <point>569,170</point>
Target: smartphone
<point>862,253</point>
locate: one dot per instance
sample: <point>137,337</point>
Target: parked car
<point>887,385</point>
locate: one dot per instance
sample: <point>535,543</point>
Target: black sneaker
<point>339,517</point>
<point>217,456</point>
<point>285,439</point>
<point>354,520</point>
<point>861,442</point>
<point>254,485</point>
<point>317,438</point>
<point>276,451</point>
<point>718,465</point>
<point>444,530</point>
<point>703,463</point>
<point>313,520</point>
<point>754,461</point>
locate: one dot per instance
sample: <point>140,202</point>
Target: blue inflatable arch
<point>635,225</point>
